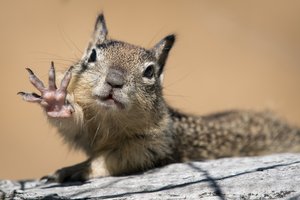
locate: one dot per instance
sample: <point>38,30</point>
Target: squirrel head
<point>117,76</point>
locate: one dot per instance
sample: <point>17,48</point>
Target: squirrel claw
<point>48,179</point>
<point>30,97</point>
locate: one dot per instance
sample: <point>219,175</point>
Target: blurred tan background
<point>229,54</point>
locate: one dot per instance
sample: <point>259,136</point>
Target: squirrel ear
<point>99,35</point>
<point>100,31</point>
<point>161,50</point>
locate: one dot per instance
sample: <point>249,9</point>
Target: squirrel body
<point>111,106</point>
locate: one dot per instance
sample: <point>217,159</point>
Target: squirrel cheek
<point>96,91</point>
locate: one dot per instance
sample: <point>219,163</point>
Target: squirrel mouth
<point>110,101</point>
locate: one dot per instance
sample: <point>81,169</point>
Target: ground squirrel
<point>110,105</point>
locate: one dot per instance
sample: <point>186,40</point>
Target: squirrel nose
<point>115,78</point>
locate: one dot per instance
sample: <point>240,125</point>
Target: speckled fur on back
<point>123,124</point>
<point>233,133</point>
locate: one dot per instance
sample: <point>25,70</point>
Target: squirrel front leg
<point>63,113</point>
<point>91,168</point>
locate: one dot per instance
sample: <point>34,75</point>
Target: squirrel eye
<point>93,56</point>
<point>149,72</point>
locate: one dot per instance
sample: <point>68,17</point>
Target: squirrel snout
<point>115,78</point>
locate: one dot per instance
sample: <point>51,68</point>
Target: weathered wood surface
<point>266,177</point>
